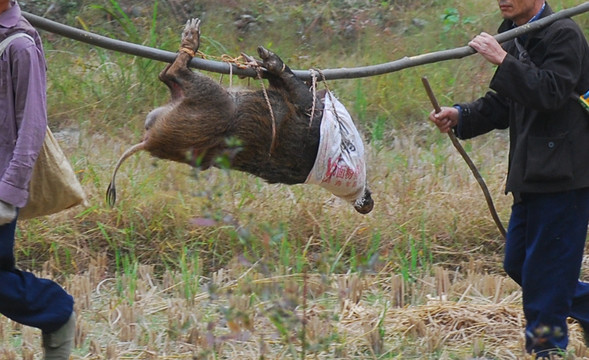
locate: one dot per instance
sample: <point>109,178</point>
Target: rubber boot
<point>58,344</point>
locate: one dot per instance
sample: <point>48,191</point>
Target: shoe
<point>58,344</point>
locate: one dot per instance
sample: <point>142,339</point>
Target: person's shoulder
<point>565,29</point>
<point>566,24</point>
<point>19,43</point>
<point>20,46</point>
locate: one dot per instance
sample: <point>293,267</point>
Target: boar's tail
<point>111,192</point>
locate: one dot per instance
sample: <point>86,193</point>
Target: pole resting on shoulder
<point>330,74</point>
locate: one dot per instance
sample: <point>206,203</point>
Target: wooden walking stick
<point>466,158</point>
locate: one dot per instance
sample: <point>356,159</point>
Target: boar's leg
<point>176,74</point>
<point>181,80</point>
<point>280,76</point>
<point>192,128</point>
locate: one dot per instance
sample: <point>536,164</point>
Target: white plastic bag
<point>340,166</point>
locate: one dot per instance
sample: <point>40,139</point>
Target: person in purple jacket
<point>24,298</point>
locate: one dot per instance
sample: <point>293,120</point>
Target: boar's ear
<point>155,114</point>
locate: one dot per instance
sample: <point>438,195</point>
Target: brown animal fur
<point>204,121</point>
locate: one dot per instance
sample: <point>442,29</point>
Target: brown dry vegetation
<point>218,264</point>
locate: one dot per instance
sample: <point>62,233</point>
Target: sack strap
<point>4,44</point>
<point>522,52</point>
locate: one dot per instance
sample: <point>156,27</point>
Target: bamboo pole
<point>330,74</point>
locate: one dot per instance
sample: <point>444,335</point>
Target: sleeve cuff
<point>461,114</point>
<point>13,195</point>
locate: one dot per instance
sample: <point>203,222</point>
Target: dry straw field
<point>217,264</point>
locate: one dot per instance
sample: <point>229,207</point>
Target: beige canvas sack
<point>54,186</point>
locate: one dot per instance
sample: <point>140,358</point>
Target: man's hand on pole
<point>489,48</point>
<point>446,119</point>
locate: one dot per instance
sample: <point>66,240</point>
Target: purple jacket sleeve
<point>30,119</point>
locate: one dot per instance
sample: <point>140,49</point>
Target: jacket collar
<point>10,17</point>
<point>508,24</point>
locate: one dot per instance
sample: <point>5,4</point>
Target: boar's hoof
<point>271,61</point>
<point>191,35</point>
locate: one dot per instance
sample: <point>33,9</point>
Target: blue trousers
<point>543,254</point>
<point>26,299</point>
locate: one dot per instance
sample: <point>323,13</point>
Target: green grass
<point>218,264</point>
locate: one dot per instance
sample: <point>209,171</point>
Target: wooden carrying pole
<point>330,74</point>
<point>466,158</point>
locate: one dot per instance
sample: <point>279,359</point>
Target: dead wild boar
<point>269,134</point>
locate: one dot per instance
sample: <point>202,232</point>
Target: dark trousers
<point>543,254</point>
<point>26,299</point>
